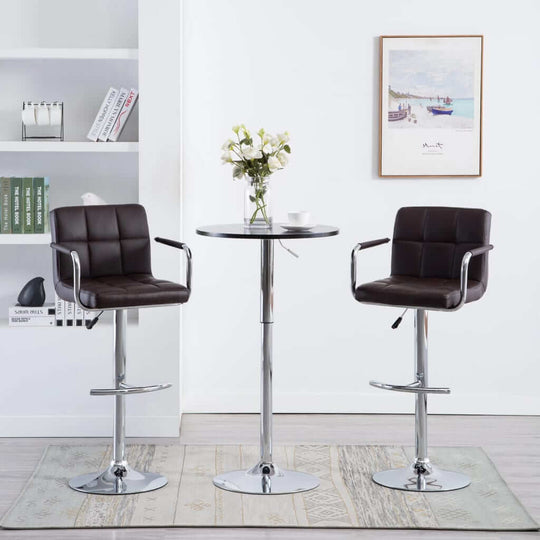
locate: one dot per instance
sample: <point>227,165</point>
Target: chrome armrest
<point>76,273</point>
<point>359,247</point>
<point>464,274</point>
<point>187,252</point>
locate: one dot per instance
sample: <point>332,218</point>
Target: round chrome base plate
<point>117,481</point>
<point>258,484</point>
<point>408,479</point>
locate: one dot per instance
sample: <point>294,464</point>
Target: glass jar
<point>257,203</point>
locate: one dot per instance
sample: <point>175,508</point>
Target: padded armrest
<point>187,253</point>
<point>373,243</point>
<point>171,243</point>
<point>480,250</point>
<point>61,248</point>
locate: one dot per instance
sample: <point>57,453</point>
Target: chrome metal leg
<point>422,475</point>
<point>119,478</point>
<point>266,478</point>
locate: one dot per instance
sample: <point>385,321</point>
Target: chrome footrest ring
<point>126,389</point>
<point>413,388</point>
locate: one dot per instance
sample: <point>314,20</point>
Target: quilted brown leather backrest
<point>430,242</point>
<point>111,240</point>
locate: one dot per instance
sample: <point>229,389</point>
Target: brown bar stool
<point>101,261</point>
<point>440,263</point>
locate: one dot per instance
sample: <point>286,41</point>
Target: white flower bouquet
<point>256,161</point>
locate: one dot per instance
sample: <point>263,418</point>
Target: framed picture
<point>430,106</point>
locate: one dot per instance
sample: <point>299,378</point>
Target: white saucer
<point>290,227</point>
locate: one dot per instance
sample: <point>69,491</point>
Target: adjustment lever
<point>90,324</point>
<point>287,249</point>
<point>397,322</point>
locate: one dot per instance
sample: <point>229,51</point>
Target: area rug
<point>346,496</point>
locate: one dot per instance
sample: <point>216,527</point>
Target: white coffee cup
<point>299,218</point>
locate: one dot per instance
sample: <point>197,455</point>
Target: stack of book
<point>24,205</point>
<point>61,313</point>
<point>113,114</point>
<point>32,316</point>
<point>69,314</point>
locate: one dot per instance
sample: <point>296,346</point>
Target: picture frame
<point>430,106</point>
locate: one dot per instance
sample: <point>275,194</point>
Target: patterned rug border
<point>42,460</point>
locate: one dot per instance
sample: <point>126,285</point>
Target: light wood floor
<point>513,444</point>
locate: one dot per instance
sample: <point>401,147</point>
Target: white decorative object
<point>39,115</point>
<point>91,199</point>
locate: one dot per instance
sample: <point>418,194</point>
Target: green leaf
<point>287,149</point>
<point>237,172</point>
<point>252,198</point>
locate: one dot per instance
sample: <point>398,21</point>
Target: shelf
<point>24,239</point>
<point>67,146</point>
<point>69,54</point>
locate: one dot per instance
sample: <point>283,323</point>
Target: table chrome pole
<point>267,322</point>
<point>266,478</point>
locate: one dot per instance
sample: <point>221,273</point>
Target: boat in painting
<point>397,115</point>
<point>442,110</point>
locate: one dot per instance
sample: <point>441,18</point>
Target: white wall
<point>312,67</point>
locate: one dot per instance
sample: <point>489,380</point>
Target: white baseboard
<point>87,426</point>
<point>358,403</point>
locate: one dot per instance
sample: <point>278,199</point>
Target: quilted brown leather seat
<point>412,291</point>
<point>427,250</point>
<point>113,244</point>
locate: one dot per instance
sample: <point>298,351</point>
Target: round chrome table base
<point>264,484</point>
<point>408,479</point>
<point>118,481</point>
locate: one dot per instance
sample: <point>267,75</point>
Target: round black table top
<point>276,232</point>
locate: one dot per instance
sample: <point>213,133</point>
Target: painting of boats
<point>430,105</point>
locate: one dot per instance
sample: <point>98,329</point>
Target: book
<point>29,320</point>
<point>46,219</point>
<point>79,316</point>
<point>115,111</point>
<point>102,114</point>
<point>16,205</point>
<point>59,310</point>
<point>39,188</point>
<point>27,311</point>
<point>28,206</point>
<point>124,114</point>
<point>69,313</point>
<point>88,316</point>
<point>5,204</point>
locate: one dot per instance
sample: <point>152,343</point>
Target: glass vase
<point>257,204</point>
